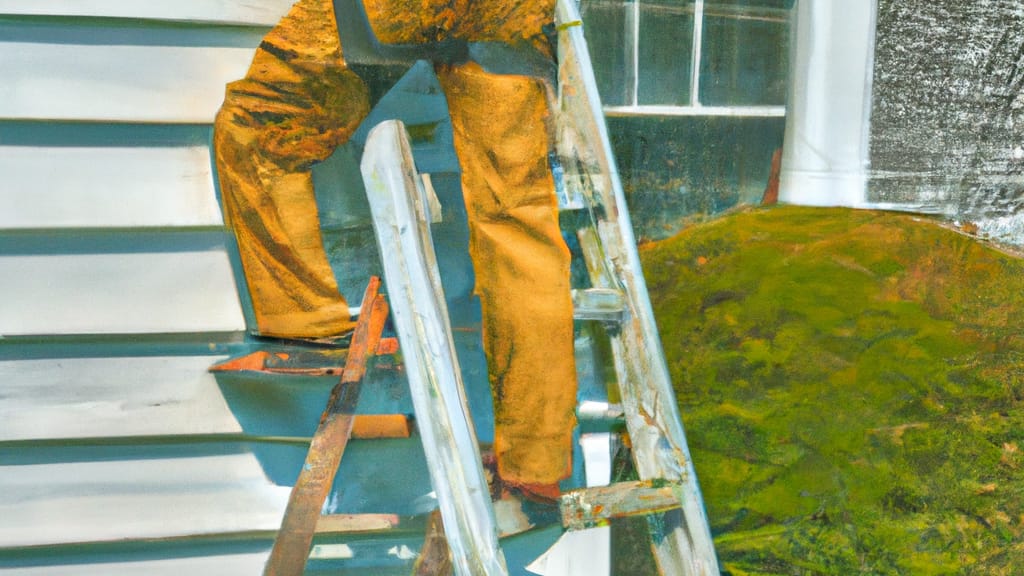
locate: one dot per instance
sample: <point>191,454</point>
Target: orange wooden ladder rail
<point>291,547</point>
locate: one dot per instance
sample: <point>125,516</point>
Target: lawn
<point>852,385</point>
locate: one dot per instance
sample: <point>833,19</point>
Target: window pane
<point>666,48</point>
<point>744,58</point>
<point>604,25</point>
<point>674,168</point>
<point>750,3</point>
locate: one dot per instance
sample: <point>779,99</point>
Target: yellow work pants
<point>297,103</point>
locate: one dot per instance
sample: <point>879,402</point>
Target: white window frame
<point>694,106</point>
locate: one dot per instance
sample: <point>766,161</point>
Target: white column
<point>825,157</point>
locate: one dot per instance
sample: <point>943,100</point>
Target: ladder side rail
<point>421,321</point>
<point>651,413</point>
<point>291,546</point>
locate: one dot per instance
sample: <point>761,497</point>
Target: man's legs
<point>522,268</point>
<point>297,103</point>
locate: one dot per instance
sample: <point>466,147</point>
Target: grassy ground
<point>852,386</point>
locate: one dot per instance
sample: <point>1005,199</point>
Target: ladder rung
<point>349,523</point>
<point>370,426</point>
<point>323,362</point>
<point>591,410</point>
<point>589,507</point>
<point>604,304</point>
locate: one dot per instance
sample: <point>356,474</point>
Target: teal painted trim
<point>91,134</point>
<point>137,550</point>
<point>123,345</point>
<point>69,241</point>
<point>126,32</point>
<point>367,547</point>
<point>111,449</point>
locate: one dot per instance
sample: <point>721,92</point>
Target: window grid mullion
<point>698,33</point>
<point>633,53</point>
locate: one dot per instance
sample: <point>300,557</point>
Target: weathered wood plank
<point>55,187</point>
<point>594,506</point>
<point>349,523</point>
<point>119,293</point>
<point>251,12</point>
<point>135,499</point>
<point>322,362</point>
<point>326,362</point>
<point>116,83</point>
<point>291,547</point>
<point>111,397</point>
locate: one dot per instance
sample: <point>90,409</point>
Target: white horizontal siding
<point>225,565</point>
<point>94,72</point>
<point>110,397</point>
<point>122,187</point>
<point>248,12</point>
<point>169,84</point>
<point>118,293</point>
<point>133,499</point>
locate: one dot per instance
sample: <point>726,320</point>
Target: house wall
<point>695,112</point>
<point>936,127</point>
<point>947,122</point>
<point>119,453</point>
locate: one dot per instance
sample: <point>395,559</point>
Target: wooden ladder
<point>302,515</point>
<point>667,491</point>
<point>400,205</point>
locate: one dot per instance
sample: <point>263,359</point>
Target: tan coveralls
<point>299,101</point>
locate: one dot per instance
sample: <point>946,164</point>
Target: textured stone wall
<point>948,111</point>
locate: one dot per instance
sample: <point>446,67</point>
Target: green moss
<point>852,386</point>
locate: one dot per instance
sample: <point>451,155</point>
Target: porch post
<point>825,156</point>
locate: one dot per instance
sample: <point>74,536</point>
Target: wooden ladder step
<point>315,362</point>
<point>371,426</point>
<point>356,523</point>
<point>605,304</point>
<point>590,507</point>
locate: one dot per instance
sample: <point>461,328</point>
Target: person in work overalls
<point>299,101</point>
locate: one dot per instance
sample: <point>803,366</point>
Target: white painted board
<point>172,84</point>
<point>576,553</point>
<point>62,187</point>
<point>250,12</point>
<point>58,398</point>
<point>170,292</point>
<point>135,499</point>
